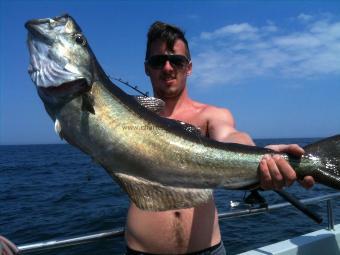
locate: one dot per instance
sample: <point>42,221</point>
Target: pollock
<point>162,164</point>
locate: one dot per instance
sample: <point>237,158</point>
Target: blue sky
<point>274,64</point>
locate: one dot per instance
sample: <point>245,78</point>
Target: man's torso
<point>177,231</point>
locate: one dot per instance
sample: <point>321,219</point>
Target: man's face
<point>169,80</point>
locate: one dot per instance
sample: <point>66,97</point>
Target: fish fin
<point>153,104</point>
<point>153,196</point>
<point>325,153</point>
<point>87,103</point>
<point>57,128</point>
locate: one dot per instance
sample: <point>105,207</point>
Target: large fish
<point>162,164</point>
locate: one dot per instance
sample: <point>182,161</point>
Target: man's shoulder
<point>218,121</point>
<point>213,111</point>
<point>214,115</point>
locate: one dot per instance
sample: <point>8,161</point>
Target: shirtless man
<point>194,230</point>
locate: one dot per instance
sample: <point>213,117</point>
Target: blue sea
<point>56,191</point>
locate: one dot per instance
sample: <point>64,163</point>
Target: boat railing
<point>119,232</point>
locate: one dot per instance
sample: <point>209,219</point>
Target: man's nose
<point>167,66</point>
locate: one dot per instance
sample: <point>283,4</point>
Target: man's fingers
<point>277,178</point>
<point>307,182</point>
<point>276,172</point>
<point>288,173</point>
<point>295,149</point>
<point>265,178</point>
<point>288,148</point>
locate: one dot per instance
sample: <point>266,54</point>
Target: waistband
<point>211,250</point>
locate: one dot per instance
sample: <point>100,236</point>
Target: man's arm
<point>221,127</point>
<point>274,172</point>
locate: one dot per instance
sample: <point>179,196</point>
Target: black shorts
<point>217,249</point>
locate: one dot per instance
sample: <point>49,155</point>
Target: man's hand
<point>275,172</point>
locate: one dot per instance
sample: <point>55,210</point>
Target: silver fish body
<point>157,161</point>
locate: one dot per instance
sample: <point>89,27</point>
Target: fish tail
<point>324,158</point>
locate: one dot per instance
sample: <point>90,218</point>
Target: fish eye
<point>80,39</point>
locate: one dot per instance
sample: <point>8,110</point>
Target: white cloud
<point>270,27</point>
<point>238,52</point>
<point>243,30</point>
<point>304,17</point>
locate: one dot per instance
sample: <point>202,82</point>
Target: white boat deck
<point>321,242</point>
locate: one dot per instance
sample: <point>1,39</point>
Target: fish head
<point>60,59</point>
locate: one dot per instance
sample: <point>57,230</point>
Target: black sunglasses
<point>158,61</point>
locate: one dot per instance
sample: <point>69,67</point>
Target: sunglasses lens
<point>178,60</point>
<point>158,61</point>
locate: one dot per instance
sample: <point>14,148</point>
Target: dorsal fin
<point>157,105</point>
<point>154,104</point>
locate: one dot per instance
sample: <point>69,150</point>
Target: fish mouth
<point>34,30</point>
<point>55,75</point>
<point>47,68</point>
<point>63,17</point>
<point>70,88</point>
<point>38,27</point>
<point>46,20</point>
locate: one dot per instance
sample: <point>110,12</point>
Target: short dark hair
<point>168,34</point>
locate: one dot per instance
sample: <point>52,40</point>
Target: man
<point>193,230</point>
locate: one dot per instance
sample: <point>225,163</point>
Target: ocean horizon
<point>255,139</point>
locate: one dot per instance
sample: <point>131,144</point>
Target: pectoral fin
<point>87,103</point>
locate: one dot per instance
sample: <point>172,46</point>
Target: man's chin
<point>171,92</point>
<point>170,83</point>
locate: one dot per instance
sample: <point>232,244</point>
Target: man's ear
<point>146,69</point>
<point>189,68</point>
